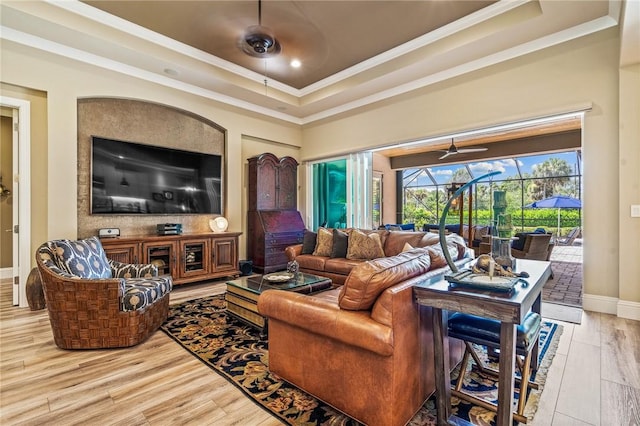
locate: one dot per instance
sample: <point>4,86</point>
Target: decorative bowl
<point>278,277</point>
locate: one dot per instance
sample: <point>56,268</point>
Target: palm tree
<point>549,178</point>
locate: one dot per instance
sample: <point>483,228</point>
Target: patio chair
<point>536,247</point>
<point>570,238</point>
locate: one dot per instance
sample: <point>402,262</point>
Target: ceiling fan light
<point>259,41</point>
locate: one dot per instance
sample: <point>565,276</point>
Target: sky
<point>443,174</point>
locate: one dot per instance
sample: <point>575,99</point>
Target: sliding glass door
<point>341,192</point>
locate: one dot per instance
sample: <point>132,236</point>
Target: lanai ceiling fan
<point>453,150</point>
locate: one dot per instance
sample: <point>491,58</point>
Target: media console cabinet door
<point>125,252</point>
<point>224,254</point>
<point>194,257</point>
<point>163,254</point>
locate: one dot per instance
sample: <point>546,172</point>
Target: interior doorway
<point>20,193</point>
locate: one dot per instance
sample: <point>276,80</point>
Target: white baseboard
<point>602,304</point>
<point>611,305</point>
<point>629,310</point>
<point>6,273</point>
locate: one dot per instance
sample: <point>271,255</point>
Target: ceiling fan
<point>259,41</point>
<point>453,150</point>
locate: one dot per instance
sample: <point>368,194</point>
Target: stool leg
<point>482,368</point>
<point>463,368</point>
<point>524,383</point>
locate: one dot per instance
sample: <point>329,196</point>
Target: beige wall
<point>382,164</point>
<point>558,79</point>
<point>629,190</point>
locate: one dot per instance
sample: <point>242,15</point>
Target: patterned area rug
<point>235,350</point>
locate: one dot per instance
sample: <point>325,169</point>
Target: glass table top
<point>257,283</point>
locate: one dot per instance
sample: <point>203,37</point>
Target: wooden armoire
<point>273,219</point>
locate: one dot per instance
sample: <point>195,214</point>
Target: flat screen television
<point>133,178</point>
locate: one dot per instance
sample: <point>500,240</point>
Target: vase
<point>501,252</point>
<point>34,290</point>
<point>292,267</point>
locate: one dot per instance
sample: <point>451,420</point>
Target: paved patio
<point>566,285</point>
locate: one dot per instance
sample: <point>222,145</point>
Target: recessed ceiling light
<point>295,63</point>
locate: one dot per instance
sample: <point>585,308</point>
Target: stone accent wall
<point>147,123</point>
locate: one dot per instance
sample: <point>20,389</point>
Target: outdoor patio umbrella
<point>557,202</point>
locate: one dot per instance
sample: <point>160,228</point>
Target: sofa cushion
<point>397,239</point>
<point>340,244</point>
<point>82,258</point>
<point>341,266</point>
<point>324,243</point>
<point>368,280</point>
<point>364,246</point>
<point>311,262</point>
<point>309,242</point>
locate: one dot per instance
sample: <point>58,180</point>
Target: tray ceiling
<point>353,53</point>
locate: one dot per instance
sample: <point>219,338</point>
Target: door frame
<point>22,190</point>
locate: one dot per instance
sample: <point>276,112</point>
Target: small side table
<point>510,309</point>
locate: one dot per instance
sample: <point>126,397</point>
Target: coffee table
<point>242,294</point>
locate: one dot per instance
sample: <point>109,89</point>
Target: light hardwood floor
<point>594,378</point>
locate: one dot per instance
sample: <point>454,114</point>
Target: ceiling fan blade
<point>446,155</point>
<point>479,149</point>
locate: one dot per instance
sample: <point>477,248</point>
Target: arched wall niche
<point>147,123</point>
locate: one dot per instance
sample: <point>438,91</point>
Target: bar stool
<point>484,331</point>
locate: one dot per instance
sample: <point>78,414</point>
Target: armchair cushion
<point>82,258</point>
<point>131,270</point>
<point>142,292</point>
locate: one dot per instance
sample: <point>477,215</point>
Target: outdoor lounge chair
<point>570,238</point>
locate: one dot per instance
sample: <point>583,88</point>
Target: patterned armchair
<point>94,302</point>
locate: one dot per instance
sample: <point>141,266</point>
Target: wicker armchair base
<point>87,314</point>
<point>74,330</point>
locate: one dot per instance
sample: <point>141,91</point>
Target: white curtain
<point>359,190</point>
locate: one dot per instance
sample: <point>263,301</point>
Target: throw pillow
<point>364,246</point>
<point>83,258</point>
<point>340,244</point>
<point>309,242</point>
<point>324,243</point>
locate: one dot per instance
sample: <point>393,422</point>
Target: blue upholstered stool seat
<point>486,331</point>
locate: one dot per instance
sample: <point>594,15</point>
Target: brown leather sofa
<point>393,242</point>
<point>365,347</point>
